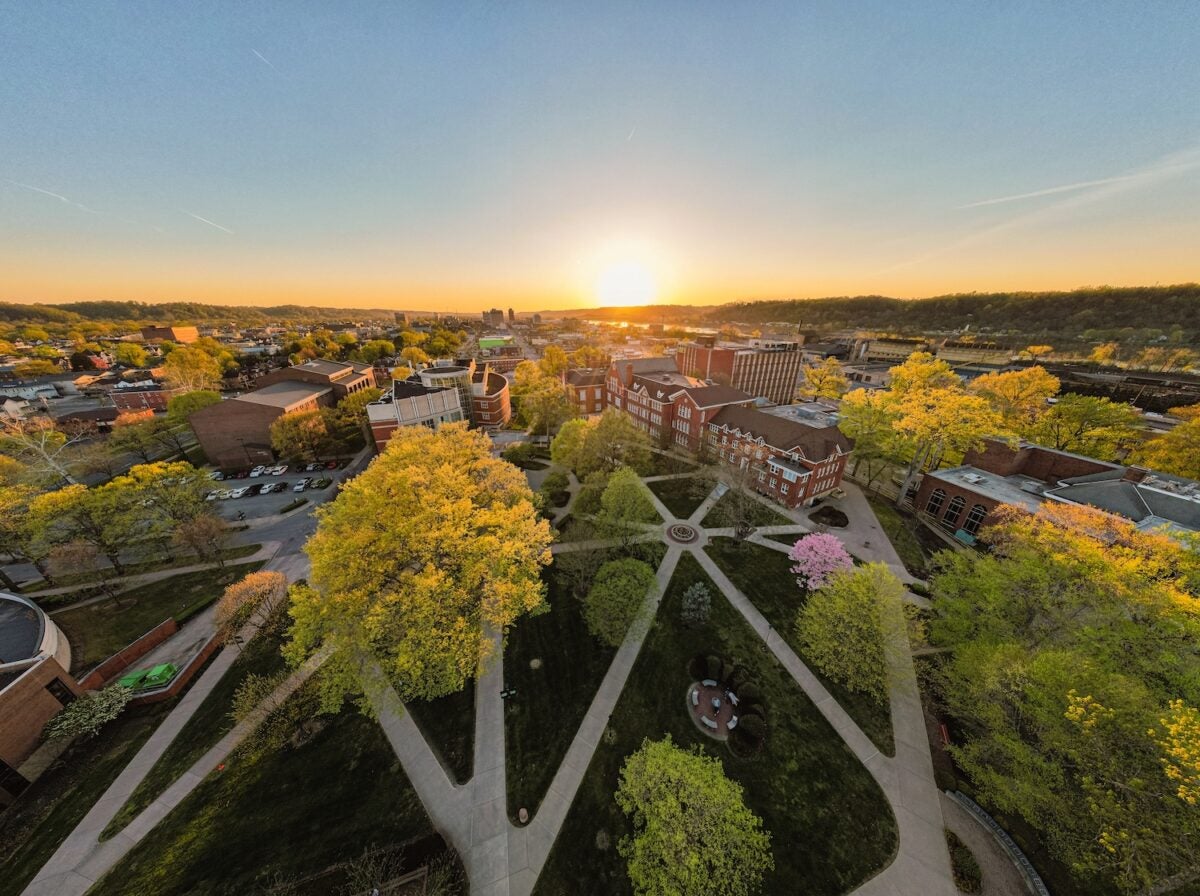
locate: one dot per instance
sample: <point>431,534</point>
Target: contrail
<point>630,137</point>
<point>264,59</point>
<point>1049,191</point>
<point>17,183</point>
<point>1162,169</point>
<point>210,223</point>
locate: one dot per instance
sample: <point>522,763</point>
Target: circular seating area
<point>682,533</point>
<point>713,707</point>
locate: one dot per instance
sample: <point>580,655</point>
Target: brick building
<point>342,378</point>
<point>761,367</point>
<point>34,684</point>
<point>181,335</point>
<point>668,405</point>
<point>586,389</point>
<point>410,403</point>
<point>961,500</point>
<point>237,432</point>
<point>791,462</point>
<point>491,405</point>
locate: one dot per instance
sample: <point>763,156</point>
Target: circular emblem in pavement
<point>682,533</point>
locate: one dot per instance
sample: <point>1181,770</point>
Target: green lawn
<point>681,496</point>
<point>901,530</point>
<point>668,464</point>
<point>765,577</point>
<point>541,721</point>
<point>760,514</point>
<point>788,538</point>
<point>34,827</point>
<point>291,813</point>
<point>166,561</point>
<point>99,630</point>
<point>830,825</point>
<point>448,724</point>
<point>211,721</point>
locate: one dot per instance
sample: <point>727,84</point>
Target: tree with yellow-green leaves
<point>1020,397</point>
<point>189,368</point>
<point>824,380</point>
<point>1176,451</point>
<point>1072,670</point>
<point>433,546</point>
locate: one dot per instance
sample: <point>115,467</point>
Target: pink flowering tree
<point>818,556</point>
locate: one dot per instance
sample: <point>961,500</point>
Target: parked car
<point>332,465</point>
<point>278,486</point>
<point>301,485</point>
<point>278,470</point>
<point>252,490</point>
<point>216,475</point>
<point>321,483</point>
<point>310,468</point>
<point>258,471</point>
<point>212,496</point>
<point>240,474</point>
<point>239,492</point>
<point>225,494</point>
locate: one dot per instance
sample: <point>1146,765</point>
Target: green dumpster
<point>158,676</point>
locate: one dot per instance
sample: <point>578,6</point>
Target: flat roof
<point>283,395</point>
<point>1004,489</point>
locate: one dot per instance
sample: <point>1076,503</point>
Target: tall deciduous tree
<point>693,833</point>
<point>842,627</point>
<point>601,445</point>
<point>190,368</point>
<point>824,380</point>
<point>624,504</point>
<point>554,361</point>
<point>1019,396</point>
<point>256,597</point>
<point>433,544</point>
<point>1087,425</point>
<point>1176,452</point>
<point>181,407</point>
<point>817,556</point>
<point>1072,669</point>
<point>301,435</point>
<point>38,444</point>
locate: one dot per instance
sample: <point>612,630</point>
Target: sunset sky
<point>447,156</point>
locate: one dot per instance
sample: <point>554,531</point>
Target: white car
<point>224,494</point>
<point>301,485</point>
<point>239,492</point>
<point>258,471</point>
<point>279,470</point>
<point>216,475</point>
<point>212,496</point>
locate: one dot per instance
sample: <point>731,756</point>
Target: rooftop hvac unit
<point>974,478</point>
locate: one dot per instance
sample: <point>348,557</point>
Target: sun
<point>622,284</point>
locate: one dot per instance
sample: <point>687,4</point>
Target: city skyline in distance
<point>555,160</point>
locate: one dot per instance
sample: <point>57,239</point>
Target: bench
<point>732,697</point>
<point>732,723</point>
<point>709,683</point>
<point>708,723</point>
<point>696,698</point>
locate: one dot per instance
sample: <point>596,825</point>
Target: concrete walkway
<point>81,859</point>
<point>266,552</point>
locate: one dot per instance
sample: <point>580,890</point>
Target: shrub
<point>519,454</point>
<point>616,598</point>
<point>712,666</point>
<point>967,876</point>
<point>697,603</point>
<point>749,693</point>
<point>85,716</point>
<point>556,481</point>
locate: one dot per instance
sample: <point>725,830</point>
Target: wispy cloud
<point>1086,193</point>
<point>209,223</point>
<point>265,59</point>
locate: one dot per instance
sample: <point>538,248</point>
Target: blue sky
<point>458,155</point>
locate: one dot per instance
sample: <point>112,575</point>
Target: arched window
<point>953,512</point>
<point>975,519</point>
<point>936,500</point>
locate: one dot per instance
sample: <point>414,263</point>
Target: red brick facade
<point>586,390</point>
<point>792,463</point>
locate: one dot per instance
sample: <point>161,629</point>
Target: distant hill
<point>179,312</point>
<point>1097,313</point>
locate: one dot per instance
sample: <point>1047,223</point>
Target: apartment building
<point>766,368</point>
<point>791,462</point>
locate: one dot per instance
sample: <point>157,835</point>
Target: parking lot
<point>252,506</point>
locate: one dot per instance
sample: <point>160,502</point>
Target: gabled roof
<point>715,396</point>
<point>582,377</point>
<point>813,443</point>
